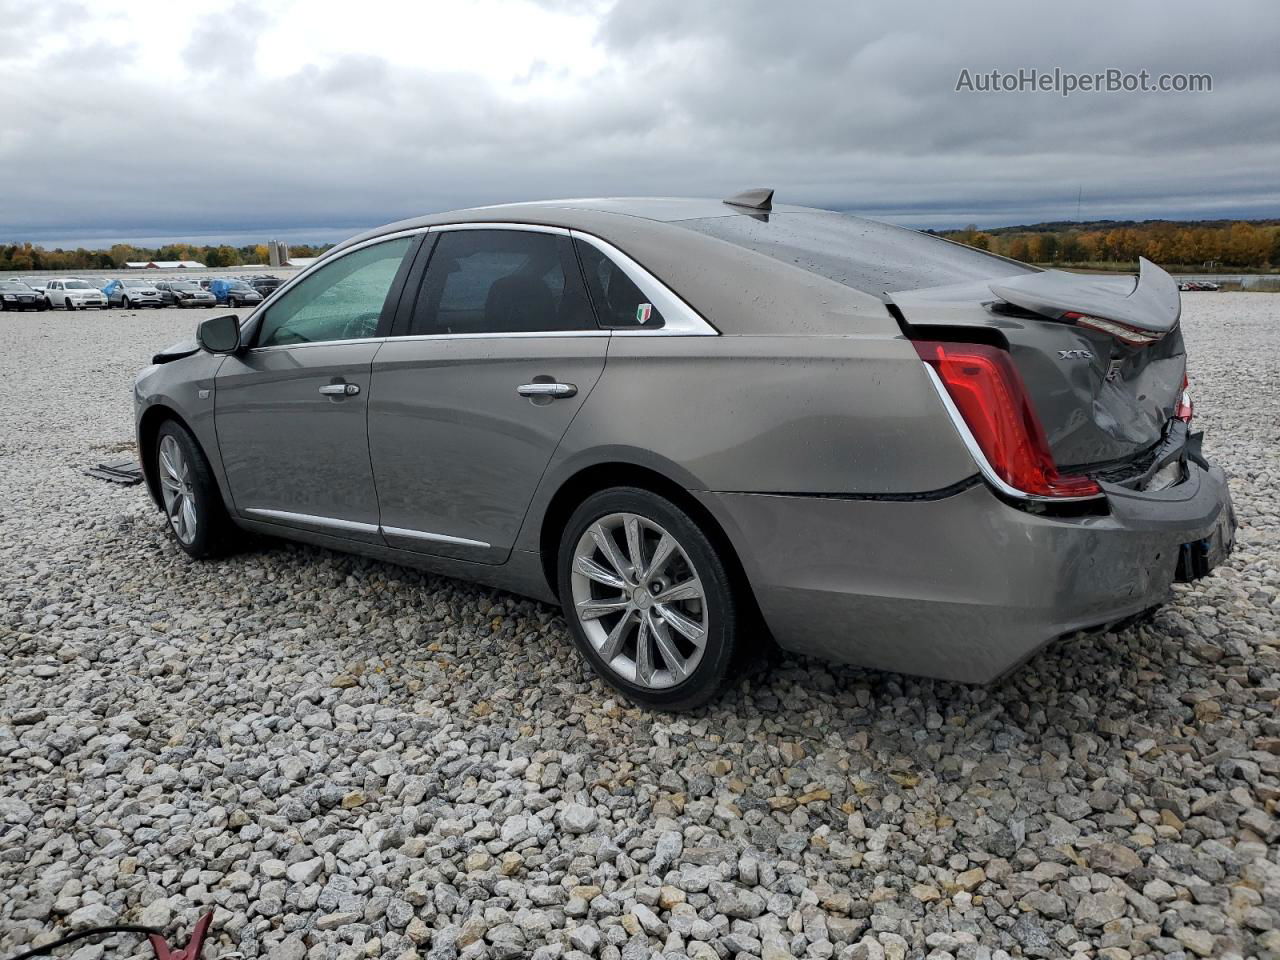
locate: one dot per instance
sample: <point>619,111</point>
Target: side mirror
<point>220,334</point>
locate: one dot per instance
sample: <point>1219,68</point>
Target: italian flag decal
<point>644,312</point>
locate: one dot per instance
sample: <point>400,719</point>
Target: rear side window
<point>617,299</point>
<point>501,281</point>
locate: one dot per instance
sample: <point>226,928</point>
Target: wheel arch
<point>602,476</point>
<point>148,429</point>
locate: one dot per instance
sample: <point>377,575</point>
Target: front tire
<point>124,303</point>
<point>192,504</point>
<point>649,599</point>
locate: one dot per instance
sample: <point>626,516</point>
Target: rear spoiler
<point>1152,303</point>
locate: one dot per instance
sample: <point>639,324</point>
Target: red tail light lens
<point>1185,409</point>
<point>988,392</point>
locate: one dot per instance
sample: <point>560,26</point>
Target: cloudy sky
<point>313,118</point>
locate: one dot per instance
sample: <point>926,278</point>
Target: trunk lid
<point>1104,400</point>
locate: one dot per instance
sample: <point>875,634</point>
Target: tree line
<point>1195,245</point>
<point>26,256</point>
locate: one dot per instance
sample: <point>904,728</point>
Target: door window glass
<point>618,301</point>
<point>501,281</point>
<point>341,301</point>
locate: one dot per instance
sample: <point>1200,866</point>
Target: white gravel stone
<point>316,745</point>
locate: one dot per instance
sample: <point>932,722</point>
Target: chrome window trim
<point>984,465</point>
<point>331,522</point>
<point>516,335</point>
<point>680,319</point>
<point>433,537</point>
<point>318,343</point>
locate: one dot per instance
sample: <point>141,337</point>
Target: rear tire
<point>191,502</point>
<point>661,609</point>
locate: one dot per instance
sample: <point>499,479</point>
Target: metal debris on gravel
<point>347,759</point>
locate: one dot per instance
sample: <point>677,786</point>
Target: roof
<point>731,261</point>
<point>662,209</point>
<point>164,264</point>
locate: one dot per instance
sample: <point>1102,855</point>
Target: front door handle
<point>553,390</point>
<point>340,389</point>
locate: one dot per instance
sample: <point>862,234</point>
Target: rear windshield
<point>864,254</point>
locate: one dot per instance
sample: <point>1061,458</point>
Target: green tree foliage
<point>23,257</point>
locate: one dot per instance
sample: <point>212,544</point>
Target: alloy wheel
<point>175,486</point>
<point>639,600</point>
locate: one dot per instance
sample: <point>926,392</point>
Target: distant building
<point>165,265</point>
<point>278,255</point>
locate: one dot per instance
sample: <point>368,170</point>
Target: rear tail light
<point>1125,334</point>
<point>989,396</point>
<point>1185,409</point>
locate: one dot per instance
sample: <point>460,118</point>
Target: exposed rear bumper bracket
<point>1198,557</point>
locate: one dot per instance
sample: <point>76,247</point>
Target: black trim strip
<point>941,493</point>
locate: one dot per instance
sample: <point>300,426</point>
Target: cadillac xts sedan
<point>696,423</point>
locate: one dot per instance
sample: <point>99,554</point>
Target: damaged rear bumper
<point>966,587</point>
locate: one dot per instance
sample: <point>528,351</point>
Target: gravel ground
<point>348,759</point>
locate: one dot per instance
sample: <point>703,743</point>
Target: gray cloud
<point>834,104</point>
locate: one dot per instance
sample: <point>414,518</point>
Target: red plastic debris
<point>191,951</point>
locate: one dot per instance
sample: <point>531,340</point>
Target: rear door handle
<point>552,390</point>
<point>340,389</point>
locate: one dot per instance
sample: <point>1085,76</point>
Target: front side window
<point>617,299</point>
<point>501,281</point>
<point>342,300</point>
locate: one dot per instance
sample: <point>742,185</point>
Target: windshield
<point>239,285</point>
<point>14,286</point>
<point>136,284</point>
<point>77,285</point>
<point>183,285</point>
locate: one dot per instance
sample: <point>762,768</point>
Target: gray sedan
<point>184,293</point>
<point>703,425</point>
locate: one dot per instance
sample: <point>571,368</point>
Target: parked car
<point>17,295</point>
<point>184,293</point>
<point>39,285</point>
<point>130,292</point>
<point>234,293</point>
<point>264,285</point>
<point>74,294</point>
<point>878,446</point>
